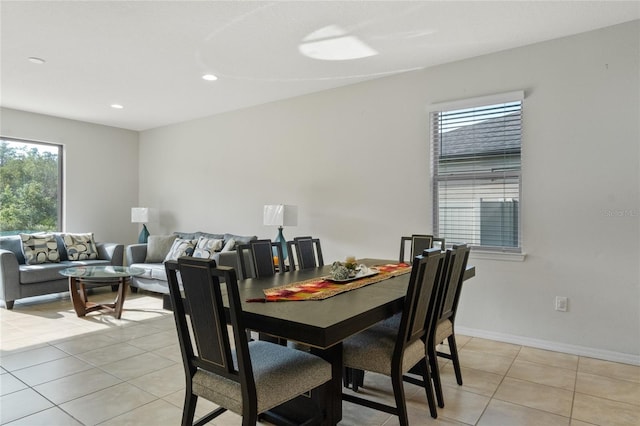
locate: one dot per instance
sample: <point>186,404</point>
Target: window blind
<point>476,174</point>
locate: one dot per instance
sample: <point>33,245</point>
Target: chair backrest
<point>420,302</point>
<point>419,243</point>
<point>438,243</point>
<point>203,310</point>
<point>308,253</point>
<point>449,296</point>
<point>261,254</point>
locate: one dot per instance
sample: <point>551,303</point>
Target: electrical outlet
<point>561,303</point>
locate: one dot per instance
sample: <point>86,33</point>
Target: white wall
<point>356,162</point>
<point>100,171</point>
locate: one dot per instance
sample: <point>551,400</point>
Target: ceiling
<point>149,56</point>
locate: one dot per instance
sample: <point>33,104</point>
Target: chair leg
<point>453,349</point>
<point>435,373</point>
<point>347,377</point>
<point>357,379</point>
<point>426,379</point>
<point>250,420</point>
<point>360,378</point>
<point>398,393</point>
<point>189,409</point>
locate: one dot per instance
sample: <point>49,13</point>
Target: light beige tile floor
<point>57,369</point>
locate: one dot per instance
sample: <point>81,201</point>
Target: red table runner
<point>321,288</point>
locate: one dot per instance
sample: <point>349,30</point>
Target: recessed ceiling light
<point>35,60</point>
<point>209,77</point>
<point>116,106</point>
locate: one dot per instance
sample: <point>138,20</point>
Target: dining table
<point>322,325</point>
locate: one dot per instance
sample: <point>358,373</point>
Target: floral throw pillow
<point>207,247</point>
<point>179,248</point>
<point>80,246</point>
<point>40,248</point>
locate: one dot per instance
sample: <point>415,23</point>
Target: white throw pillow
<point>207,247</point>
<point>181,248</point>
<point>230,244</point>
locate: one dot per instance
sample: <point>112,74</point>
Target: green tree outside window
<point>30,187</point>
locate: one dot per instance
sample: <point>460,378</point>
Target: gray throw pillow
<point>158,247</point>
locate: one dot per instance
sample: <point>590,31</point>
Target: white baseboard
<point>551,346</point>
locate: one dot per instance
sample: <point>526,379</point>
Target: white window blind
<point>476,172</point>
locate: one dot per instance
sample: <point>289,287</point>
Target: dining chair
<point>260,256</point>
<point>247,378</point>
<point>393,352</point>
<point>419,243</point>
<point>308,253</point>
<point>439,243</point>
<point>443,324</point>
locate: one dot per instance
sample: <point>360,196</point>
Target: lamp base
<point>144,235</point>
<point>283,243</point>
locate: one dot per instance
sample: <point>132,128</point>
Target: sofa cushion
<point>187,235</point>
<point>13,243</point>
<point>181,247</point>
<point>32,274</point>
<point>157,247</point>
<point>212,236</point>
<point>80,246</point>
<point>206,247</point>
<point>240,239</point>
<point>154,271</point>
<point>40,248</point>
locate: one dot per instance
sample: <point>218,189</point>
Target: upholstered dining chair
<point>443,324</point>
<point>259,253</point>
<point>308,253</point>
<point>442,328</point>
<point>393,352</point>
<point>438,243</point>
<point>419,243</point>
<point>248,380</point>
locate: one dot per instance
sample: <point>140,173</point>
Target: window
<point>30,186</point>
<point>476,171</point>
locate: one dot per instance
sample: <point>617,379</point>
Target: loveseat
<point>152,255</point>
<point>30,264</point>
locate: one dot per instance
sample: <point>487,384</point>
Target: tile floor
<point>57,369</point>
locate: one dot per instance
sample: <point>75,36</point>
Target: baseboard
<point>551,346</point>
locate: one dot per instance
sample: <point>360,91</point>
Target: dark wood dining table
<point>324,324</point>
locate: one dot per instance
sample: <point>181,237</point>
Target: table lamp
<point>281,215</point>
<point>141,215</point>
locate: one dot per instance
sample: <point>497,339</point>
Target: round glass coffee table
<point>95,276</point>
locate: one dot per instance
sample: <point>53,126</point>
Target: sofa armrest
<point>228,258</point>
<point>9,277</point>
<point>136,253</point>
<point>112,252</point>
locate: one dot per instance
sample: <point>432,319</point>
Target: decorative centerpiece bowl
<point>344,270</point>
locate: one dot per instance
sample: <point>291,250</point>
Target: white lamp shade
<point>280,215</point>
<point>140,215</point>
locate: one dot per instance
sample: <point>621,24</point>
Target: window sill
<point>497,255</point>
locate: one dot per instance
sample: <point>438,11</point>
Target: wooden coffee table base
<point>81,303</point>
